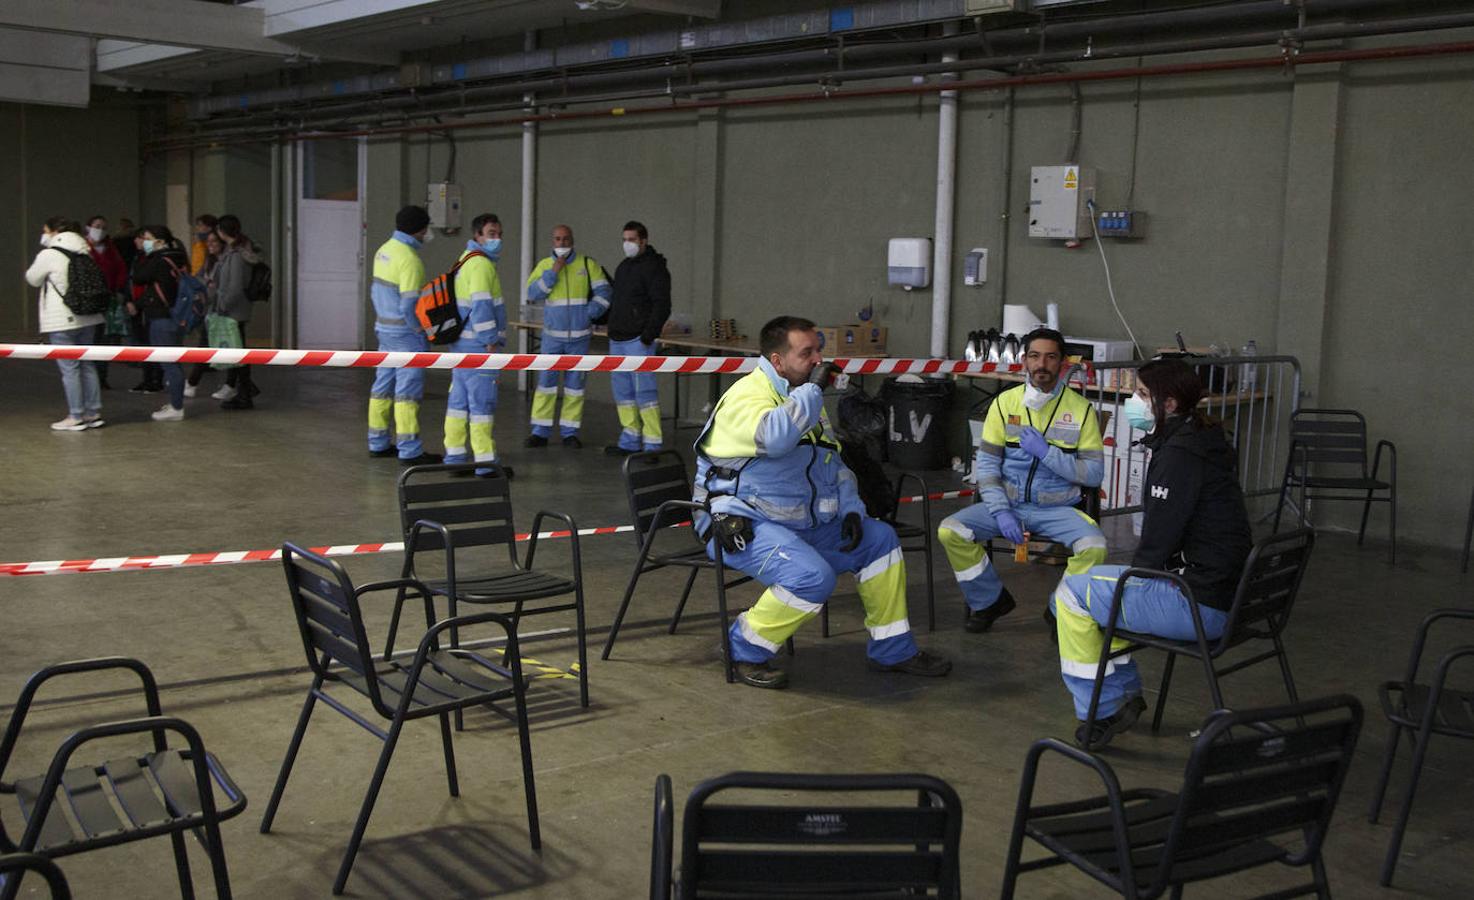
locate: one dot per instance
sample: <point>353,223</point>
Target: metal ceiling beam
<point>200,26</point>
<point>705,9</point>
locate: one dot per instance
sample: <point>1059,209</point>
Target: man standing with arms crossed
<point>575,293</point>
<point>639,309</point>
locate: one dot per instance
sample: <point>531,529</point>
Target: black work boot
<point>761,675</point>
<point>927,665</point>
<point>980,620</point>
<point>1102,730</point>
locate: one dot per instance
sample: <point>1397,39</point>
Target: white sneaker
<point>226,392</point>
<point>93,421</point>
<point>191,389</point>
<point>167,413</point>
<point>68,424</point>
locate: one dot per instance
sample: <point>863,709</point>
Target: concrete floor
<point>223,642</point>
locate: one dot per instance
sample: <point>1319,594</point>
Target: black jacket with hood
<point>641,299</point>
<point>158,279</point>
<point>1194,519</point>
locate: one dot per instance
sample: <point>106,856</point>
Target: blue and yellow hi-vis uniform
<point>767,453</point>
<point>472,404</point>
<point>572,300</point>
<point>398,276</point>
<point>1040,492</point>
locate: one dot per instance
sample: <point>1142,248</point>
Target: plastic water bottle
<point>1248,372</point>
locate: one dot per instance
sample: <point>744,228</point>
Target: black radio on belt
<point>734,532</point>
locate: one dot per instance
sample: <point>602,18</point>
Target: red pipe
<point>1284,60</point>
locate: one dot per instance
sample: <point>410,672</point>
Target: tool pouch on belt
<point>734,532</point>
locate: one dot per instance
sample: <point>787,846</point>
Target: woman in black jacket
<point>157,271</point>
<point>1193,523</point>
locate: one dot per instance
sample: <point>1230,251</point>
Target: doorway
<point>330,250</point>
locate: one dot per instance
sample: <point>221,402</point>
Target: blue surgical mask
<point>492,248</point>
<point>1138,413</point>
<point>149,244</point>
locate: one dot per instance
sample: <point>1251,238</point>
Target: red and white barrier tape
<point>685,365</point>
<point>233,557</point>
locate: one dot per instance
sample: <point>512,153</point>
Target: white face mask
<point>631,249</point>
<point>95,234</point>
<point>429,236</point>
<point>562,252</point>
<point>1036,399</point>
<point>45,239</point>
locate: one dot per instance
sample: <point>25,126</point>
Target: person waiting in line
<point>49,272</point>
<point>788,513</point>
<point>153,374</point>
<point>575,293</point>
<point>637,312</point>
<point>395,396</point>
<point>232,276</point>
<point>1040,445</point>
<point>115,274</point>
<point>1193,523</point>
<point>471,409</point>
<point>204,226</point>
<point>207,274</point>
<point>157,272</point>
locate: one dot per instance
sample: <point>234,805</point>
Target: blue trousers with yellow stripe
<point>637,399</point>
<point>1082,604</point>
<point>395,399</point>
<point>545,396</point>
<point>800,568</point>
<point>470,409</point>
<point>963,533</point>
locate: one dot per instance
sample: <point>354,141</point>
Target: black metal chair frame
<point>436,682</point>
<point>1335,444</point>
<point>184,778</point>
<point>1422,710</point>
<point>808,849</point>
<point>1275,779</point>
<point>906,531</point>
<point>17,864</point>
<point>648,524</point>
<point>1251,616</point>
<point>518,586</point>
<point>1468,536</point>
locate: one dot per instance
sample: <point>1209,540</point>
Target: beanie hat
<point>411,219</point>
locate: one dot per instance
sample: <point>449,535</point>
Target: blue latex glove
<point>1033,442</point>
<point>1010,526</point>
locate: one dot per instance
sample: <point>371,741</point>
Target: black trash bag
<point>861,428</point>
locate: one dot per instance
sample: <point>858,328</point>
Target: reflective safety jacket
<point>399,273</point>
<point>1008,476</point>
<point>574,297</point>
<point>479,295</point>
<point>768,453</point>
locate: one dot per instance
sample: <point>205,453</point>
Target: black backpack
<point>861,427</point>
<point>258,284</point>
<point>87,292</point>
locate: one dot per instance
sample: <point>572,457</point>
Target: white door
<point>330,283</point>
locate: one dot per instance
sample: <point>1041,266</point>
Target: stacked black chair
<point>1260,612</point>
<point>436,682</point>
<point>1422,709</point>
<point>470,519</point>
<point>1328,454</point>
<point>1260,788</point>
<point>859,848</point>
<point>914,539</point>
<point>658,488</point>
<point>185,779</point>
<point>13,867</point>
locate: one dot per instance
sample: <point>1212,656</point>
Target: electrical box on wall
<point>1057,198</point>
<point>443,203</point>
<point>908,262</point>
<point>1120,223</point>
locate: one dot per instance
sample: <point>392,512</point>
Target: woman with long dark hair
<point>157,271</point>
<point>1193,523</point>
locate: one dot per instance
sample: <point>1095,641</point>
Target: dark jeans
<point>163,332</point>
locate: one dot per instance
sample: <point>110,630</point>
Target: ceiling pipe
<point>1287,60</point>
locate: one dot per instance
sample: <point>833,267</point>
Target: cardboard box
<point>838,340</point>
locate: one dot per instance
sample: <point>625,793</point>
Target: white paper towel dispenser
<point>908,262</point>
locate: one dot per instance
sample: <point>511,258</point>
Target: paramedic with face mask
<point>575,294</point>
<point>472,405</point>
<point>395,397</point>
<point>1040,446</point>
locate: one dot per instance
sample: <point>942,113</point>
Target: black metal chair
<point>436,682</point>
<point>659,491</point>
<point>1328,453</point>
<point>440,511</point>
<point>13,867</point>
<point>1260,611</point>
<point>1422,710</point>
<point>1468,535</point>
<point>914,539</point>
<point>808,849</point>
<point>1262,795</point>
<point>662,840</point>
<point>167,791</point>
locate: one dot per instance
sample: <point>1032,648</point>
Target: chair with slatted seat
<point>435,682</point>
<point>658,488</point>
<point>1259,789</point>
<point>169,790</point>
<point>470,520</point>
<point>865,845</point>
<point>914,538</point>
<point>1328,454</point>
<point>1260,612</point>
<point>13,867</point>
<point>1423,709</point>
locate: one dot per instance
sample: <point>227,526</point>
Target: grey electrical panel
<point>444,204</point>
<point>1057,201</point>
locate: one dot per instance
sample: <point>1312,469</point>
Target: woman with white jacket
<point>49,273</point>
